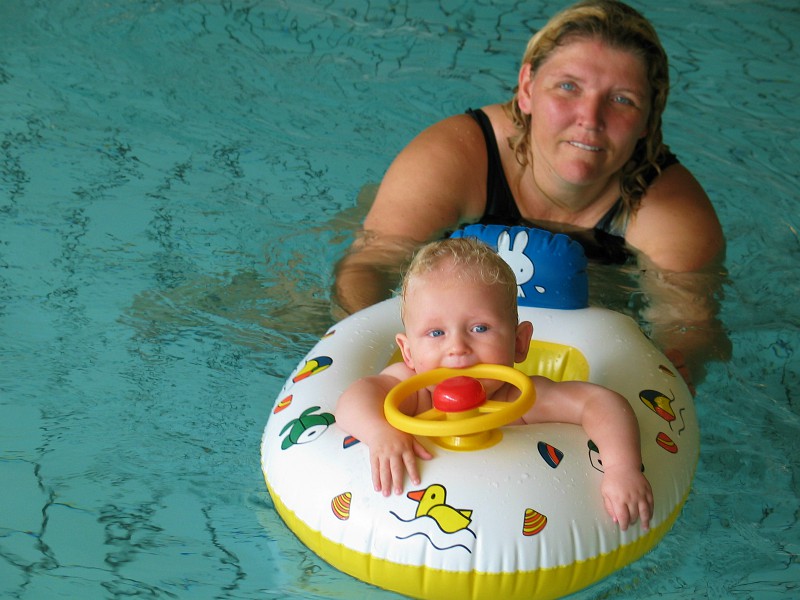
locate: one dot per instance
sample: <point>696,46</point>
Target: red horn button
<point>458,394</point>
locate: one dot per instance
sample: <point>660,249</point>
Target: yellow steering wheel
<point>469,429</point>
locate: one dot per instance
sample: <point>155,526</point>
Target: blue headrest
<point>550,268</point>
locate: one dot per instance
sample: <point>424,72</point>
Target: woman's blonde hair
<point>471,258</point>
<point>622,28</point>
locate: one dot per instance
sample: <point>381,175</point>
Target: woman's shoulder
<point>461,132</point>
<point>441,173</point>
<point>465,130</point>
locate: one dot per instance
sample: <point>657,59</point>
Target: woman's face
<point>589,105</point>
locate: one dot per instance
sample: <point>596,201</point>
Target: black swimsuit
<point>603,243</point>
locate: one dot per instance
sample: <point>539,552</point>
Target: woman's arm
<point>676,227</point>
<point>681,312</point>
<point>682,247</point>
<point>370,270</point>
<point>437,182</point>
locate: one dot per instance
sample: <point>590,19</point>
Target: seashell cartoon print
<point>340,505</point>
<point>533,523</point>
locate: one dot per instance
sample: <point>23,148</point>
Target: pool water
<point>178,179</point>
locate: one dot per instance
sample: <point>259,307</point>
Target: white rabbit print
<point>514,255</point>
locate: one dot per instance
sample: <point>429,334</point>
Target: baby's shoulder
<point>417,402</point>
<point>398,370</point>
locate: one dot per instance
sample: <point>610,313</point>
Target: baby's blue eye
<point>436,333</point>
<point>480,328</point>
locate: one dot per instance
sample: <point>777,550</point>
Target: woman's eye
<point>623,100</point>
<point>567,86</point>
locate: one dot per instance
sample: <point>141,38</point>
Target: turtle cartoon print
<point>306,428</point>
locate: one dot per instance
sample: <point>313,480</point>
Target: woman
<point>578,149</point>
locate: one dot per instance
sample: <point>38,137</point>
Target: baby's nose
<point>459,345</point>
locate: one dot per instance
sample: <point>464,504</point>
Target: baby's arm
<point>610,422</point>
<point>392,452</point>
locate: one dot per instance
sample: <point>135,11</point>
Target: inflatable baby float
<point>502,511</point>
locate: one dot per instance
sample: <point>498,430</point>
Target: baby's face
<point>457,323</point>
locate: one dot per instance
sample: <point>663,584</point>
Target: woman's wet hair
<point>623,28</point>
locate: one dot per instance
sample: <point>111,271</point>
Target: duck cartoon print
<point>437,523</point>
<point>432,503</point>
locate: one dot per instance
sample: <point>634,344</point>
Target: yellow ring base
<point>432,584</point>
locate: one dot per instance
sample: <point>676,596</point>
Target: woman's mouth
<point>587,147</point>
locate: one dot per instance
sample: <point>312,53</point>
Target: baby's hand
<point>391,457</point>
<point>627,496</point>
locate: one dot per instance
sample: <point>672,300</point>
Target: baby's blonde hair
<point>473,259</point>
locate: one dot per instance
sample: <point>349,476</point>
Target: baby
<point>459,309</point>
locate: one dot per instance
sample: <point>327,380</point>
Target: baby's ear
<point>522,343</point>
<point>405,349</point>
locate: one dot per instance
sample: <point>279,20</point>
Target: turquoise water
<point>178,179</point>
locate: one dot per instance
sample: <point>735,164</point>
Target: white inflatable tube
<point>521,519</point>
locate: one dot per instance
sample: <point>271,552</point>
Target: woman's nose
<point>591,113</point>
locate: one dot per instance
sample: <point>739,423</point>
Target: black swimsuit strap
<point>601,243</point>
<point>606,223</point>
<point>500,203</point>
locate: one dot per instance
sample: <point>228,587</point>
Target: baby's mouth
<point>459,364</point>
